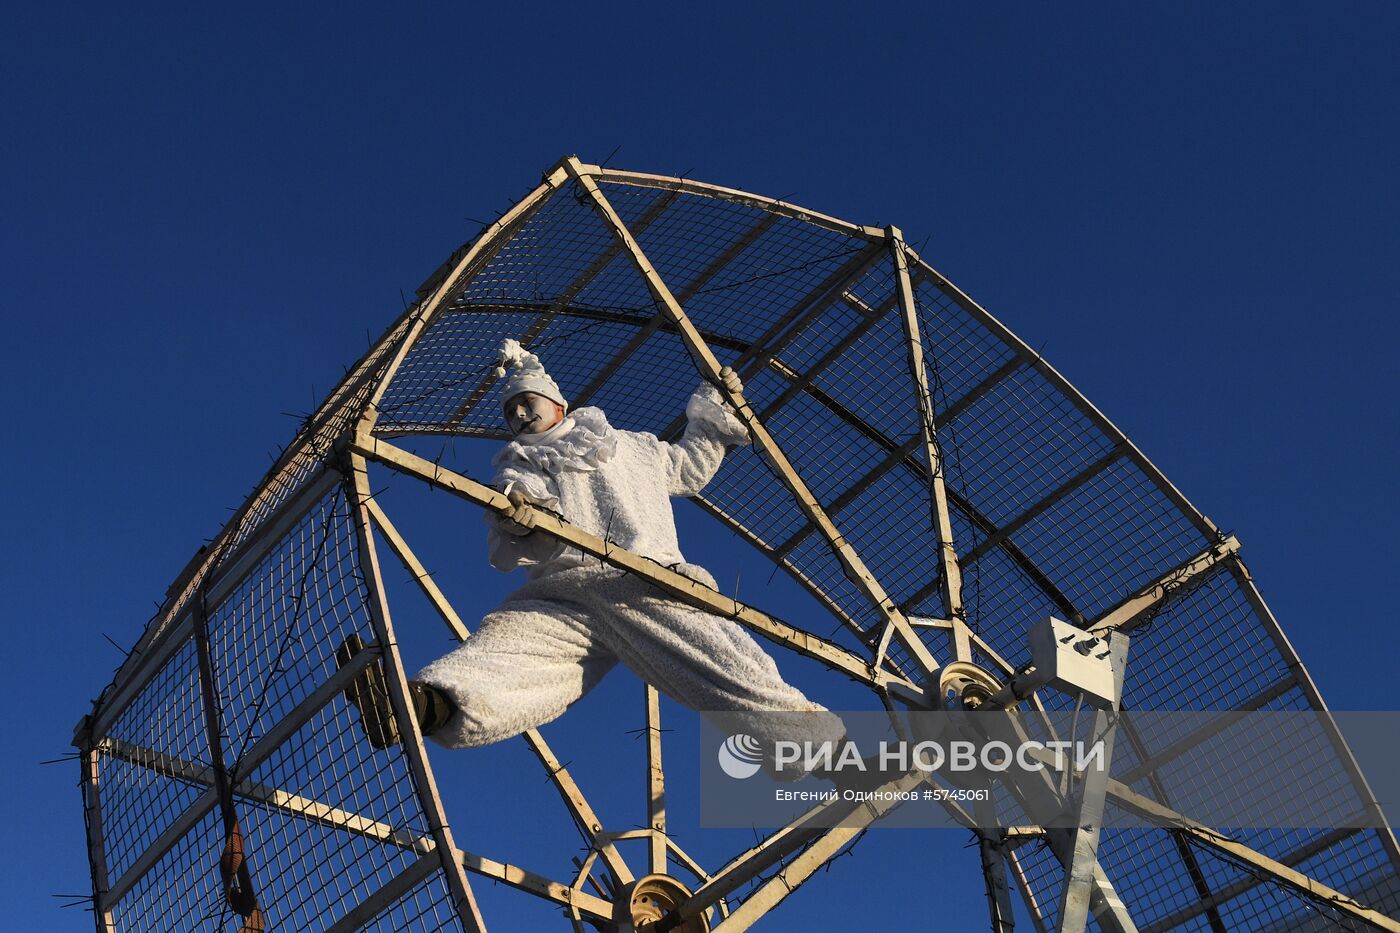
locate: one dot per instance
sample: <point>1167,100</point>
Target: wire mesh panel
<point>327,819</point>
<point>1052,511</point>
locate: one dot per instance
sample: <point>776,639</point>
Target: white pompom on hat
<point>523,372</point>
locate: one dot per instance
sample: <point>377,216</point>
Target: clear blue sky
<point>1190,210</point>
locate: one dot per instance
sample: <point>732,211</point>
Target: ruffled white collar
<point>583,441</point>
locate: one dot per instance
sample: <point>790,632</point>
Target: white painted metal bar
<point>362,913</point>
<point>322,814</point>
<point>410,738</point>
<point>950,579</point>
<point>1033,908</point>
<point>734,195</point>
<point>991,849</point>
<point>692,592</point>
<point>97,850</point>
<point>305,808</point>
<point>414,566</point>
<point>1041,801</point>
<point>761,353</point>
<point>583,814</point>
<point>825,848</point>
<point>893,459</point>
<point>709,369</point>
<point>1168,818</point>
<point>325,815</point>
<point>538,885</point>
<point>1278,871</point>
<point>754,861</point>
<point>1179,580</point>
<point>886,443</point>
<point>1078,889</point>
<point>656,783</point>
<point>1210,904</point>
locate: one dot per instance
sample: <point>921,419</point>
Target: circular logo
<point>740,756</point>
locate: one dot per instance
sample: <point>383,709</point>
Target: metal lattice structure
<point>879,396</point>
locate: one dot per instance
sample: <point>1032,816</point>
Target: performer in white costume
<point>555,638</point>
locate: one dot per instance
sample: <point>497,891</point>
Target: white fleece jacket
<point>614,484</point>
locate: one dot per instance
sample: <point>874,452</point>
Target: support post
<point>656,783</point>
<point>1092,797</point>
<point>950,581</point>
<point>97,847</point>
<point>358,494</point>
<point>991,847</point>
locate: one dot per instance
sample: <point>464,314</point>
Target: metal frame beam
<point>735,249</point>
<point>914,466</point>
<point>97,852</point>
<point>950,578</point>
<point>734,195</point>
<point>760,354</point>
<point>410,738</point>
<point>1032,904</point>
<point>694,593</point>
<point>709,368</point>
<point>376,903</point>
<point>656,783</point>
<point>1181,579</point>
<point>321,814</point>
<point>826,847</point>
<point>1183,848</point>
<point>1077,894</point>
<point>1278,871</point>
<point>1212,903</point>
<point>928,274</point>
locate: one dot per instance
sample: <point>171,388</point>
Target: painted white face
<point>532,413</point>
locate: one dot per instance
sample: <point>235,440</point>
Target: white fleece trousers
<point>553,639</point>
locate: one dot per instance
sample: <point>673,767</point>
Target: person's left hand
<point>519,518</point>
<point>731,380</point>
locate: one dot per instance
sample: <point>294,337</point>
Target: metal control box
<point>1073,661</point>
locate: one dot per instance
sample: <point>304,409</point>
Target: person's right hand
<point>519,518</point>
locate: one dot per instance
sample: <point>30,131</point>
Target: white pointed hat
<point>523,372</point>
